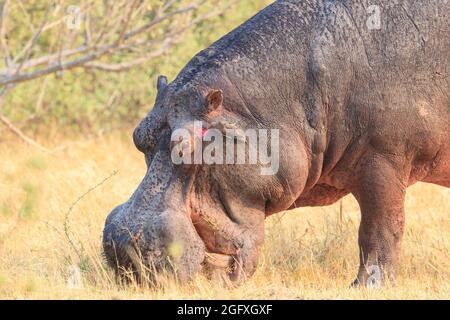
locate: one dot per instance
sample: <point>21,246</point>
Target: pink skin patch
<point>202,132</point>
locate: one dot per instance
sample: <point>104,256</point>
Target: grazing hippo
<point>360,98</point>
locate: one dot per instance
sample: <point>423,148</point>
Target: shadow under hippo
<point>355,109</point>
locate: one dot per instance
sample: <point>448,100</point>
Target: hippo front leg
<point>380,193</point>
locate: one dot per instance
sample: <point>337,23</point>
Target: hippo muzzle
<point>152,230</point>
<point>163,242</point>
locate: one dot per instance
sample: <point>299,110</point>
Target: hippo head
<point>187,216</point>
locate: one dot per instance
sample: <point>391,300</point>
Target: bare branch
<point>58,67</point>
<point>123,66</point>
<point>21,135</point>
<point>160,19</point>
<point>25,12</point>
<point>8,124</point>
<point>40,97</point>
<point>30,45</point>
<point>126,21</point>
<point>3,42</point>
<point>88,31</point>
<point>85,55</point>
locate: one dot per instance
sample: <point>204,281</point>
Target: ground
<point>47,226</point>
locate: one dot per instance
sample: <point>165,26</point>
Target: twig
<point>3,43</point>
<point>26,51</point>
<point>69,211</point>
<point>123,66</point>
<point>126,22</point>
<point>21,135</point>
<point>41,94</point>
<point>8,124</point>
<point>61,66</point>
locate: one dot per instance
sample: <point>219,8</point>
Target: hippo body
<point>361,108</point>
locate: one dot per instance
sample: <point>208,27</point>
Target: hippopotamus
<point>359,95</point>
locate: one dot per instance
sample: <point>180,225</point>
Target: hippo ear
<point>214,99</point>
<point>162,83</point>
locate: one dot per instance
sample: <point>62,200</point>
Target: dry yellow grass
<point>308,254</point>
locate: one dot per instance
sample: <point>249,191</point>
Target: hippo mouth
<point>223,266</point>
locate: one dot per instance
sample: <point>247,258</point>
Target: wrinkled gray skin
<point>360,111</point>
